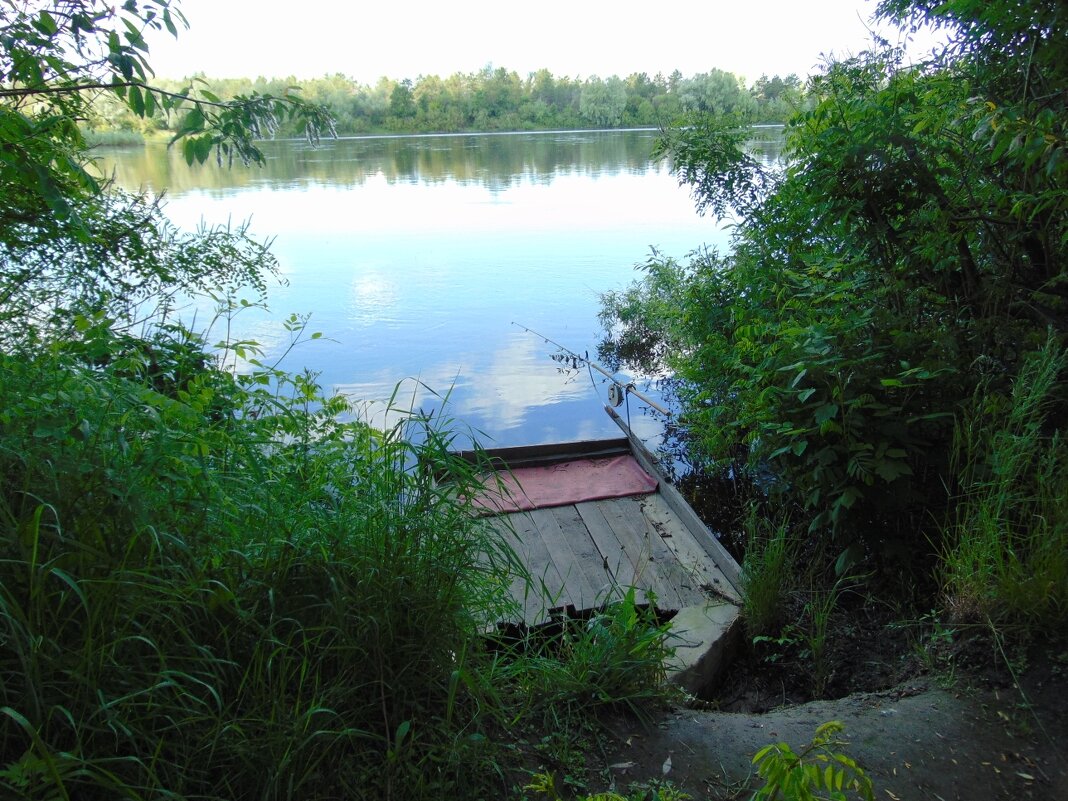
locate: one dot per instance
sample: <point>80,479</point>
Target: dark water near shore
<point>416,256</point>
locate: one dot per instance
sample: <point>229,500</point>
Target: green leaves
<point>819,773</point>
<point>708,154</point>
<point>230,128</point>
<point>914,240</point>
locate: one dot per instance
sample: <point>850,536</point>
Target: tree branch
<point>85,87</point>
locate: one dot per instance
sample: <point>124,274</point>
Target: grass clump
<point>215,586</point>
<point>1007,555</point>
<point>767,575</point>
<point>206,602</point>
<point>615,659</point>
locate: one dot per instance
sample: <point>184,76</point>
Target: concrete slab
<point>706,637</point>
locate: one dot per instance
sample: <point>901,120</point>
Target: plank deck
<point>589,553</point>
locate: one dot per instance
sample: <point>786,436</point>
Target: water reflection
<point>414,256</point>
<point>496,161</point>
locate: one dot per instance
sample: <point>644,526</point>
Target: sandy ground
<point>917,741</point>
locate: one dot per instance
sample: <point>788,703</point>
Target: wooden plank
<point>522,588</point>
<point>567,559</point>
<point>702,573</point>
<point>671,572</point>
<point>682,581</point>
<point>614,558</point>
<point>549,453</point>
<point>724,561</point>
<point>626,521</point>
<point>586,553</point>
<point>547,578</point>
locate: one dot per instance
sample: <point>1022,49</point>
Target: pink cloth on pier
<point>564,483</point>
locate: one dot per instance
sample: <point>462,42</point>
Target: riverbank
<point>918,740</point>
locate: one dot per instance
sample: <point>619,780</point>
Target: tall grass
<point>215,586</point>
<point>766,575</point>
<point>1007,557</point>
<point>196,604</point>
<point>614,659</point>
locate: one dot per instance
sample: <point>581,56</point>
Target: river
<point>418,258</point>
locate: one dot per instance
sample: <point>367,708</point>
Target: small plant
<point>765,575</point>
<point>821,772</point>
<point>614,659</point>
<point>818,610</point>
<point>545,784</point>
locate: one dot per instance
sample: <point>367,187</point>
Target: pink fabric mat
<point>565,483</point>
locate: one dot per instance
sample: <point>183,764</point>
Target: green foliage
<point>819,771</point>
<point>715,93</point>
<point>298,596</point>
<point>911,249</point>
<point>67,246</point>
<point>54,57</point>
<point>615,659</point>
<point>218,583</point>
<point>766,573</point>
<point>602,102</point>
<point>490,100</point>
<point>545,784</point>
<point>815,629</point>
<point>789,611</point>
<point>1006,557</point>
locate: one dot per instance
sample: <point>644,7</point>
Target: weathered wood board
<point>590,553</point>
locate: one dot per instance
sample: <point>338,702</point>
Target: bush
<point>198,605</point>
<point>877,280</point>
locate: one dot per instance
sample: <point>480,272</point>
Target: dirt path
<point>916,741</point>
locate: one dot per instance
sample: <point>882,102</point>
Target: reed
<point>223,586</point>
<point>766,575</point>
<point>1007,555</point>
<point>195,606</point>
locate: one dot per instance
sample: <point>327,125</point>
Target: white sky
<point>576,38</point>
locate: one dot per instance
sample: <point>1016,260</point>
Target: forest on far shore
<point>492,99</point>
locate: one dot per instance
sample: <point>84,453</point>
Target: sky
<point>574,38</point>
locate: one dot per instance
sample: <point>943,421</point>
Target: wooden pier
<point>581,555</point>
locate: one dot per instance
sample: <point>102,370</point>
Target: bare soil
<point>981,736</point>
<point>929,712</point>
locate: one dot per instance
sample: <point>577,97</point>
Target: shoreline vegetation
<point>489,101</point>
<point>225,584</point>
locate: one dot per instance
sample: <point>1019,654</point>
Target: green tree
<point>401,101</point>
<point>777,98</point>
<point>67,247</point>
<point>602,102</point>
<point>912,249</point>
<point>715,92</point>
<point>182,548</point>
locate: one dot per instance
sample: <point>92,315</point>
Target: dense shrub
<point>910,250</point>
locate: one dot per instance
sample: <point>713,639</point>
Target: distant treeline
<point>496,100</point>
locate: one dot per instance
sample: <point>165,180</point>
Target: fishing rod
<point>626,388</point>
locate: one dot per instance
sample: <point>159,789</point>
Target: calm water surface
<point>414,256</point>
